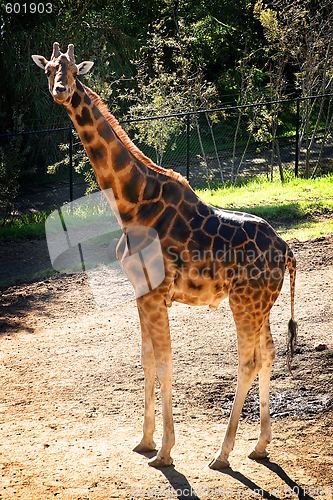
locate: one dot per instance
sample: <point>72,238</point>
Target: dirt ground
<point>71,393</point>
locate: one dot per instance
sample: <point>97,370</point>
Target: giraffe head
<point>61,72</point>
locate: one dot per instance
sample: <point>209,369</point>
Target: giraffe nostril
<point>60,89</point>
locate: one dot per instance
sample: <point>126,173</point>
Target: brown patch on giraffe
<point>98,154</point>
<point>202,209</point>
<point>162,224</point>
<point>105,132</point>
<point>76,100</point>
<point>87,137</point>
<point>87,99</point>
<point>85,118</point>
<point>149,213</point>
<point>239,239</point>
<point>96,112</point>
<point>171,193</point>
<point>211,225</point>
<point>132,185</point>
<point>197,222</point>
<point>180,228</point>
<point>152,189</point>
<point>120,158</point>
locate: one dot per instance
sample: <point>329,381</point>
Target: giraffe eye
<point>48,73</point>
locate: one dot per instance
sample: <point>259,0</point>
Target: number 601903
<point>29,8</point>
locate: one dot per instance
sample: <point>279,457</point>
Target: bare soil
<point>71,393</point>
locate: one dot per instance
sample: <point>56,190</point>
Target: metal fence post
<point>297,138</point>
<point>188,146</point>
<point>71,164</point>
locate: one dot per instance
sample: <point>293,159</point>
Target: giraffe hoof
<point>160,462</point>
<point>144,448</point>
<point>217,464</point>
<point>258,455</point>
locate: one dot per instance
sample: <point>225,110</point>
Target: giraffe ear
<point>40,61</point>
<point>84,67</point>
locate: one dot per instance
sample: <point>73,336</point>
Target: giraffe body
<point>209,255</point>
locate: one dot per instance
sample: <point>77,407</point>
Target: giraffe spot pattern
<point>87,136</point>
<point>180,228</point>
<point>76,100</point>
<point>96,112</point>
<point>147,213</point>
<point>239,238</point>
<point>196,222</point>
<point>105,132</point>
<point>163,222</point>
<point>227,232</point>
<point>211,225</point>
<point>130,188</point>
<point>203,209</point>
<point>85,118</point>
<point>171,192</point>
<point>98,153</point>
<point>152,189</point>
<point>79,85</point>
<point>120,158</point>
<point>87,99</point>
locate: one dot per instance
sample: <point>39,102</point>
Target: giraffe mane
<point>123,137</point>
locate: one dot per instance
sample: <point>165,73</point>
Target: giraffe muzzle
<point>60,93</point>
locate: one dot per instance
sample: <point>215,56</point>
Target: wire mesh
<point>208,146</point>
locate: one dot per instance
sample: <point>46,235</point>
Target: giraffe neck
<point>118,164</point>
<point>114,166</point>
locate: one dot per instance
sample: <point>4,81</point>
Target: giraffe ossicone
<point>209,255</point>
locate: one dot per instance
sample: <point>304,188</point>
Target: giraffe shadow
<point>183,489</point>
<point>293,487</point>
<point>286,479</point>
<point>178,482</point>
<point>257,490</point>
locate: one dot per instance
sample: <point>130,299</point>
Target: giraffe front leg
<point>164,375</point>
<point>268,355</point>
<point>148,364</point>
<point>155,324</point>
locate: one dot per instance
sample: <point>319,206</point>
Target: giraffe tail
<point>292,325</point>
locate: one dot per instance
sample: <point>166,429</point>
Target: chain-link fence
<point>224,144</point>
<point>207,146</point>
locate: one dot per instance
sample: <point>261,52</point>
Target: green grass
<point>295,198</point>
<point>299,208</point>
<point>26,227</point>
<point>305,230</point>
<point>301,203</point>
<point>27,278</point>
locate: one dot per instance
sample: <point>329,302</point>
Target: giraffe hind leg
<point>249,364</point>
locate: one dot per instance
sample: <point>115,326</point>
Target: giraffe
<point>209,255</point>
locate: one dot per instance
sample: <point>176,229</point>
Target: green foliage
<point>155,57</point>
<point>12,158</point>
<point>28,226</point>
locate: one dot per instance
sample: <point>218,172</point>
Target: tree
<point>300,33</point>
<point>12,155</point>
